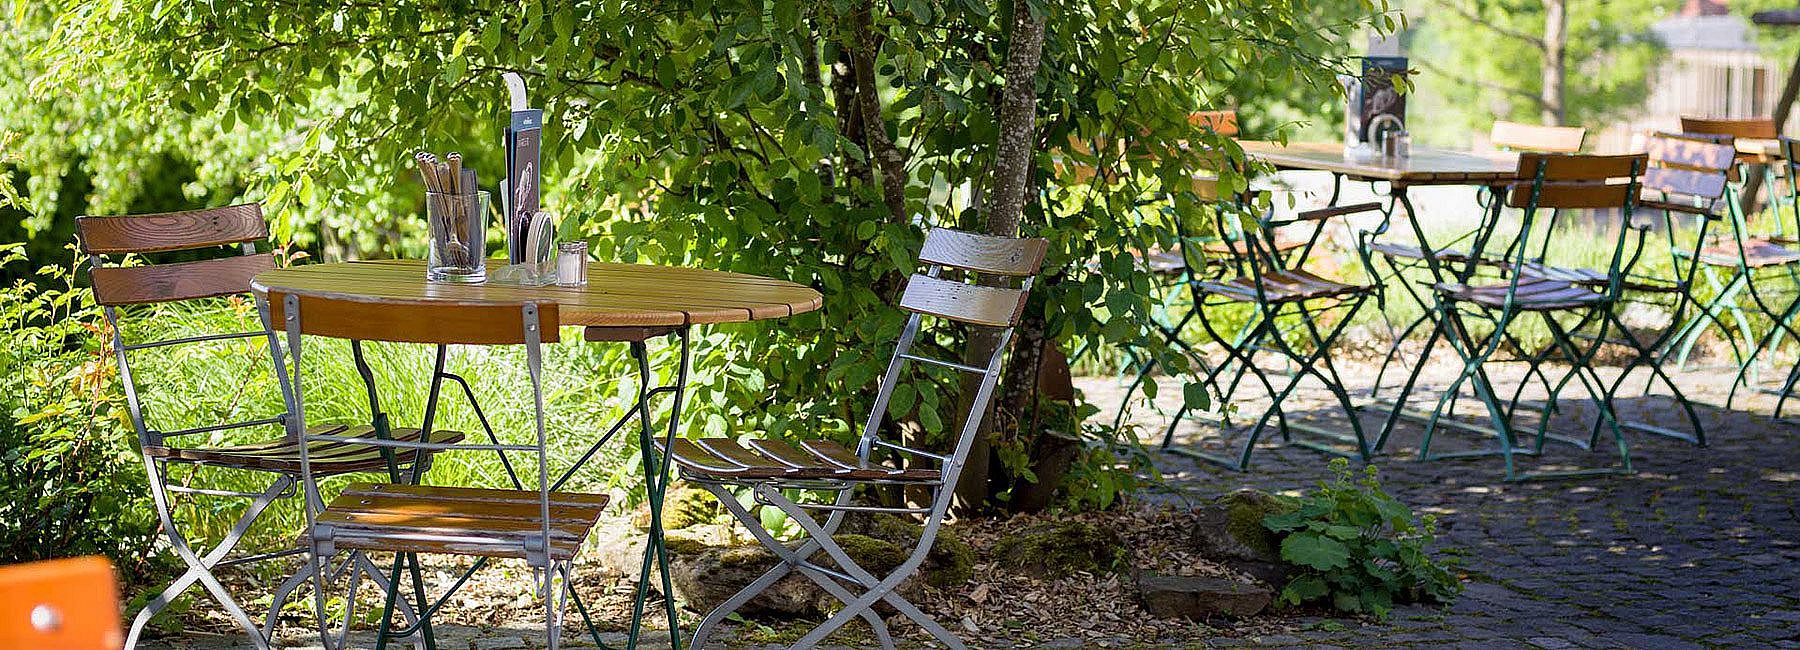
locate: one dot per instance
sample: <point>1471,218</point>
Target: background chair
<point>119,289</point>
<point>1558,182</point>
<point>70,604</point>
<point>1285,300</point>
<point>1532,138</point>
<point>768,467</point>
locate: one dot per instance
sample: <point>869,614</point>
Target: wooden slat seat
<point>484,522</point>
<point>327,457</point>
<point>725,458</point>
<point>1282,286</point>
<point>1534,294</point>
<point>1758,253</point>
<point>1593,278</point>
<point>1411,252</point>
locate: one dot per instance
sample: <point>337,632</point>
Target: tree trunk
<point>1784,106</point>
<point>1004,207</point>
<point>880,147</point>
<point>1556,25</point>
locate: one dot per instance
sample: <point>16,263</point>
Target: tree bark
<point>1556,29</point>
<point>878,145</point>
<point>1004,208</point>
<point>1784,106</point>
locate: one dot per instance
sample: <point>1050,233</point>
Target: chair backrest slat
<point>968,303</point>
<point>120,285</point>
<point>1559,168</point>
<point>1514,136</point>
<point>1691,182</point>
<point>1566,195</point>
<point>170,231</point>
<point>1705,153</point>
<point>1221,122</point>
<point>416,321</point>
<point>983,253</point>
<point>1760,127</point>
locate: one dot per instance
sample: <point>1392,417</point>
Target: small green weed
<point>1359,547</point>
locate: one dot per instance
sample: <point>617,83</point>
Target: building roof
<point>1705,32</point>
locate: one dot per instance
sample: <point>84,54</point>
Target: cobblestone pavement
<point>1699,548</point>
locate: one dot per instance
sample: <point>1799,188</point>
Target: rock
<point>1230,531</point>
<point>1201,598</point>
<point>1056,549</point>
<point>683,507</point>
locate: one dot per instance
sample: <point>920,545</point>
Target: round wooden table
<point>616,295</point>
<point>621,302</point>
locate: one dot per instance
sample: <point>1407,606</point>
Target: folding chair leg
<point>789,560</point>
<point>878,590</point>
<point>199,568</point>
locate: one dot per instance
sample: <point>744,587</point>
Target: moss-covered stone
<point>951,562</point>
<point>1244,514</point>
<point>686,506</point>
<point>879,556</point>
<point>1061,548</point>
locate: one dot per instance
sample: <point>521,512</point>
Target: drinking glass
<point>458,237</point>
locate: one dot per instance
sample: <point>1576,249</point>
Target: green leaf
<point>1195,396</point>
<point>1315,551</point>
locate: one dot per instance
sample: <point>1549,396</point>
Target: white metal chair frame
<point>200,564</point>
<point>538,555</point>
<point>768,492</point>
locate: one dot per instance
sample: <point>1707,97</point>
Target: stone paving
<point>1699,548</point>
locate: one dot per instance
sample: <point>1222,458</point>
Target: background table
<point>1426,165</point>
<point>621,302</point>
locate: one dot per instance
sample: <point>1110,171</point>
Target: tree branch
<point>1473,17</point>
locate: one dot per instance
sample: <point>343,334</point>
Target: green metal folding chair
<point>1559,182</point>
<point>1283,301</point>
<point>1686,178</point>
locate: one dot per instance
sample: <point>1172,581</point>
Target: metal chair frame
<point>847,575</point>
<point>320,536</point>
<point>1743,280</point>
<point>1476,351</point>
<point>201,563</point>
<point>1264,331</point>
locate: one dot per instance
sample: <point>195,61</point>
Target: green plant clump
<point>1359,547</point>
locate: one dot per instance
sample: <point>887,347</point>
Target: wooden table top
<point>1425,166</point>
<point>616,294</point>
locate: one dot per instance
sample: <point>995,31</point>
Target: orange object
<point>68,604</point>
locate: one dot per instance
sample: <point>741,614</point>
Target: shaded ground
<point>1701,547</point>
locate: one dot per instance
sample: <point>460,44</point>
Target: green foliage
<point>70,484</point>
<point>1359,547</point>
<point>800,139</point>
<point>1482,61</point>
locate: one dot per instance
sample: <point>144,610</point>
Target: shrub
<point>70,480</point>
<point>1359,547</point>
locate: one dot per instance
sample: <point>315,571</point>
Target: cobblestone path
<point>1699,548</point>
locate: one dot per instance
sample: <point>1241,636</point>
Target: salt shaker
<point>571,263</point>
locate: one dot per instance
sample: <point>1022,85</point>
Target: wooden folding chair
<point>543,527</point>
<point>1286,299</point>
<point>1686,178</point>
<point>1558,182</point>
<point>768,467</point>
<point>1532,138</point>
<point>70,604</point>
<point>120,290</point>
